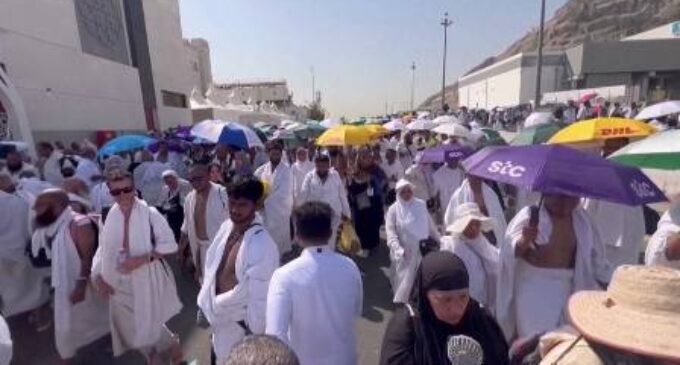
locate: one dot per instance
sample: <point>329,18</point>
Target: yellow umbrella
<point>345,135</point>
<point>600,129</point>
<point>376,130</point>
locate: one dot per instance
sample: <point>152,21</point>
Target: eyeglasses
<point>117,192</point>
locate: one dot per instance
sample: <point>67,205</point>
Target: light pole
<point>539,60</point>
<point>313,85</point>
<point>446,23</point>
<point>413,83</point>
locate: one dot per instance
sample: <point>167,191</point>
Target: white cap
<point>468,212</point>
<point>167,173</point>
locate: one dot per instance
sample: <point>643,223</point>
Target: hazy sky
<point>361,50</point>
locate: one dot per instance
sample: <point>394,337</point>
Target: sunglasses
<point>117,192</point>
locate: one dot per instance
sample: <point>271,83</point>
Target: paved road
<point>31,348</point>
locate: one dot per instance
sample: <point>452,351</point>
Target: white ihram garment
<point>313,305</point>
<point>5,343</point>
<point>299,171</point>
<point>446,181</point>
<point>21,285</point>
<point>406,224</point>
<point>86,170</point>
<point>51,169</point>
<point>394,172</point>
<point>515,291</point>
<point>77,325</point>
<point>668,226</point>
<point>482,261</point>
<point>144,300</point>
<point>464,194</point>
<point>257,258</point>
<point>217,212</point>
<point>332,191</point>
<point>621,228</point>
<point>278,205</point>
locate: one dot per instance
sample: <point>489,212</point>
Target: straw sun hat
<point>639,312</point>
<point>467,212</point>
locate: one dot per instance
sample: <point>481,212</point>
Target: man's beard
<point>322,175</point>
<point>46,219</point>
<point>14,167</point>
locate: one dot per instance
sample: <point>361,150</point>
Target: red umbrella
<point>587,97</point>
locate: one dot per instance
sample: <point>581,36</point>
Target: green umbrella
<point>536,134</point>
<point>659,151</point>
<point>493,138</point>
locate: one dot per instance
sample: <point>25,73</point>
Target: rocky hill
<point>579,21</point>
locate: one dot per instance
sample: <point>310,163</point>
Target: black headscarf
<point>445,271</point>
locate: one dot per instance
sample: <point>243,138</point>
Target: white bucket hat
<point>401,184</point>
<point>467,212</point>
<point>639,312</point>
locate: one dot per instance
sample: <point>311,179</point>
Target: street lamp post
<point>313,85</point>
<point>446,23</point>
<point>413,83</point>
<point>539,60</point>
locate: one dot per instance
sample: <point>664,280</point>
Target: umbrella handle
<point>534,215</point>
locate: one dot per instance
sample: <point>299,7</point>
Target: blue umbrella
<point>555,169</point>
<point>125,144</point>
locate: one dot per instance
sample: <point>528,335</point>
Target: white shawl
<point>591,264</point>
<point>155,298</point>
<point>446,181</point>
<point>217,211</point>
<point>299,171</point>
<point>257,259</point>
<point>482,261</point>
<point>464,194</point>
<point>656,248</point>
<point>14,226</point>
<point>5,343</point>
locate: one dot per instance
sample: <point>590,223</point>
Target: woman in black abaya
<point>440,307</point>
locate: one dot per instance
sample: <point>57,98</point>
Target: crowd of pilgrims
<point>258,230</point>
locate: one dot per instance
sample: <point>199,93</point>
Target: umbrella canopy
<point>331,122</point>
<point>446,152</point>
<point>587,97</point>
<point>345,135</point>
<point>538,118</point>
<point>536,135</point>
<point>125,144</point>
<point>395,125</point>
<point>661,109</point>
<point>600,129</point>
<point>376,130</point>
<point>660,151</point>
<point>228,133</point>
<point>452,130</point>
<point>493,138</point>
<point>444,119</point>
<point>420,125</point>
<point>555,169</point>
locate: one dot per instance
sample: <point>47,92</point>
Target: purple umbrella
<point>556,169</point>
<point>445,153</point>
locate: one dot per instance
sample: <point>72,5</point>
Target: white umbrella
<point>209,129</point>
<point>294,126</point>
<point>453,130</point>
<point>228,133</point>
<point>330,123</point>
<point>394,125</point>
<point>659,110</point>
<point>538,118</point>
<point>443,119</point>
<point>420,125</point>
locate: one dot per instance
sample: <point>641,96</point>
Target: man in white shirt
<point>278,203</point>
<point>16,167</point>
<point>446,180</point>
<point>324,185</point>
<point>394,171</point>
<point>51,171</point>
<point>87,169</point>
<point>299,170</point>
<point>314,301</point>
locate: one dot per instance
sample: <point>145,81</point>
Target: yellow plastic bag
<point>349,241</point>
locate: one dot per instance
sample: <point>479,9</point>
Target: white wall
<point>551,80</point>
<point>62,88</point>
<point>168,59</point>
<point>240,94</point>
<point>500,90</point>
